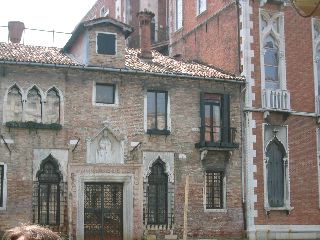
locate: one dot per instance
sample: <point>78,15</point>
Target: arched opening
<point>14,104</point>
<point>271,63</point>
<point>275,173</point>
<point>52,106</point>
<point>33,105</point>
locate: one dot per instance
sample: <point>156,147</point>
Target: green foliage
<point>34,125</point>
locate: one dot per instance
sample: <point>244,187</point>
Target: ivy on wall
<point>34,125</point>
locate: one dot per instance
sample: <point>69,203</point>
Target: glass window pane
<point>161,111</point>
<point>202,6</point>
<point>105,93</point>
<point>216,123</point>
<point>106,43</point>
<point>271,76</point>
<point>271,57</point>
<point>207,122</point>
<point>151,109</point>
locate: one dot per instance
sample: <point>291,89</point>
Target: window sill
<point>158,132</point>
<point>216,210</point>
<point>285,208</point>
<point>34,125</point>
<point>105,104</point>
<point>3,209</point>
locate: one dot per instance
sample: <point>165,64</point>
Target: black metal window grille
<point>214,189</point>
<point>157,102</point>
<point>1,184</point>
<point>105,93</point>
<point>156,193</point>
<point>106,43</point>
<point>49,200</point>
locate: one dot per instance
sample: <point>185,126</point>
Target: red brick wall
<point>211,37</point>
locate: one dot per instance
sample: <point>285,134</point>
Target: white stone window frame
<point>43,95</point>
<point>318,162</point>
<point>4,190</point>
<point>224,194</point>
<point>199,10</point>
<point>178,15</point>
<point>316,59</point>
<point>146,110</point>
<point>279,38</point>
<point>287,199</point>
<point>116,95</point>
<point>149,158</point>
<point>115,42</point>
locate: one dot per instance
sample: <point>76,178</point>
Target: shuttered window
<point>106,43</point>
<point>275,174</point>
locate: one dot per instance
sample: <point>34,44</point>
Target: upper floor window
<point>179,14</point>
<point>33,105</point>
<point>106,43</point>
<point>201,6</point>
<point>272,50</point>
<point>105,93</point>
<point>157,114</point>
<point>316,64</point>
<point>214,189</point>
<point>215,123</point>
<point>271,63</point>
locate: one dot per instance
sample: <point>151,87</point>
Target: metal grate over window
<point>49,198</point>
<point>158,195</point>
<point>214,190</point>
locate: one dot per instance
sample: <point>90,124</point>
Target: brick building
<point>126,11</point>
<point>98,140</point>
<point>278,53</point>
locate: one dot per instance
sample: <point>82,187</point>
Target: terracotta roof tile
<point>159,63</point>
<point>34,54</point>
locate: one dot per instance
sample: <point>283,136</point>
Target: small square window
<point>105,93</point>
<point>106,43</point>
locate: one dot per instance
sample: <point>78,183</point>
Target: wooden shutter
<point>225,113</point>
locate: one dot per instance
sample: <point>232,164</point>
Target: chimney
<point>15,31</point>
<point>145,18</point>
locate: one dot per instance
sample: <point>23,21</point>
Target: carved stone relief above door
<point>105,148</point>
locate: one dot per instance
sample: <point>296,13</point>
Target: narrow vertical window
<point>214,189</point>
<point>1,185</point>
<point>271,63</point>
<point>275,174</point>
<point>179,14</point>
<point>201,6</point>
<point>157,192</point>
<point>157,111</point>
<point>33,106</point>
<point>52,107</point>
<point>14,105</point>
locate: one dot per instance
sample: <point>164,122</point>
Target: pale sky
<point>57,15</point>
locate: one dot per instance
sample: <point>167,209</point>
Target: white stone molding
<point>273,19</point>
<point>60,155</point>
<point>126,179</point>
<point>116,95</point>
<point>280,134</point>
<point>115,144</point>
<point>150,157</point>
<point>315,26</point>
<point>4,189</point>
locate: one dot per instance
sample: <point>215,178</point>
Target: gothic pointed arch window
<point>157,194</point>
<point>271,63</point>
<point>48,190</point>
<point>14,104</point>
<point>33,105</point>
<point>276,174</point>
<point>52,106</point>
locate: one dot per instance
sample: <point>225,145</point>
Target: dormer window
<point>106,43</point>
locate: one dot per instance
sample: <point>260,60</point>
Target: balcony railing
<point>217,136</point>
<point>276,99</point>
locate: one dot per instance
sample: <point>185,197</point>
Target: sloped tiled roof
<point>34,54</point>
<point>159,63</point>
